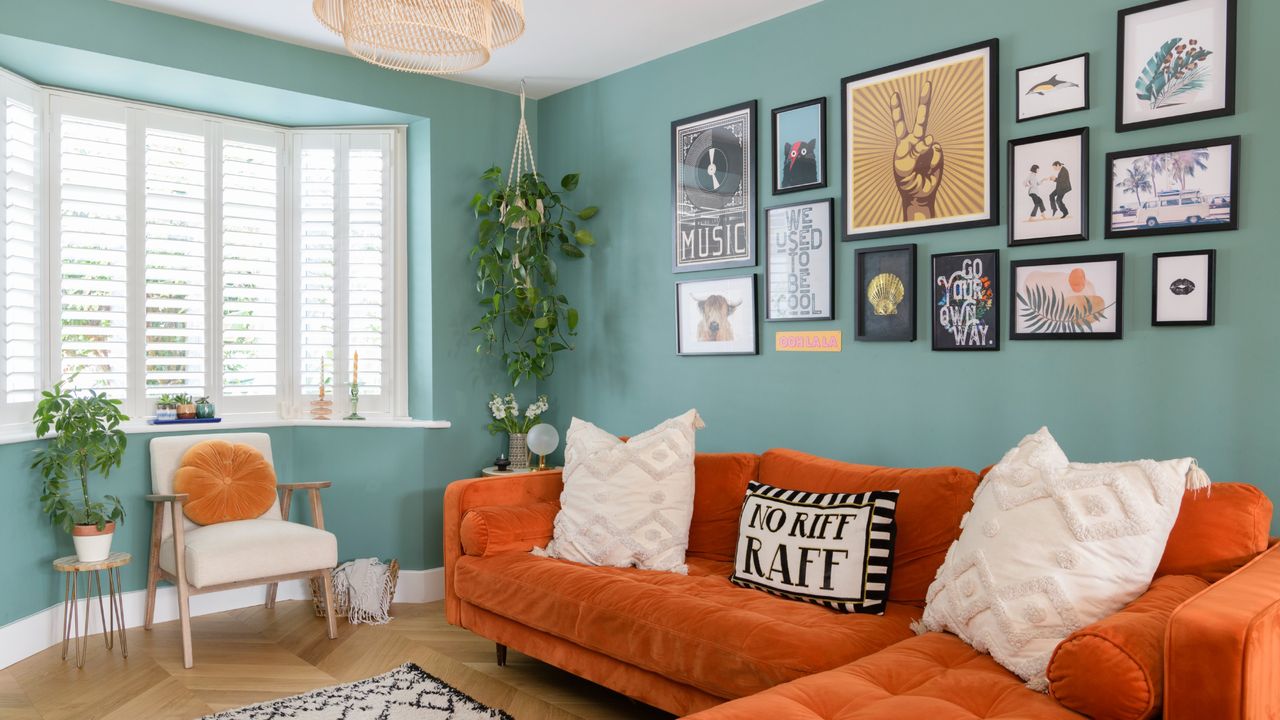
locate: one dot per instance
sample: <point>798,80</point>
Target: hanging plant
<point>523,225</point>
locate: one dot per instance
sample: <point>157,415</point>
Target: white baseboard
<point>23,638</point>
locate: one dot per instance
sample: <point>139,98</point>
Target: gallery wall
<point>388,483</point>
<point>1207,392</point>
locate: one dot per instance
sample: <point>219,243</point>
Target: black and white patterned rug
<point>406,693</point>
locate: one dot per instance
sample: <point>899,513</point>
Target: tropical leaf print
<point>1045,310</point>
<point>1176,69</point>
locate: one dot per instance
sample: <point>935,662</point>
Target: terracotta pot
<point>92,544</point>
<point>186,411</point>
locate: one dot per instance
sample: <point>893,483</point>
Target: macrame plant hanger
<point>522,155</point>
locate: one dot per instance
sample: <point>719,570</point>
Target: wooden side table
<point>93,581</point>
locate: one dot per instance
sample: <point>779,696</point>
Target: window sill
<point>25,433</point>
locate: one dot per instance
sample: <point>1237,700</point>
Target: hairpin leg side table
<point>92,573</point>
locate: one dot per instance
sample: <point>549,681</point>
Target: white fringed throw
<point>366,587</point>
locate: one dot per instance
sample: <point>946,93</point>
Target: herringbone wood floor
<point>254,654</point>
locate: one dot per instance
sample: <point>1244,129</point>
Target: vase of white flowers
<point>508,418</point>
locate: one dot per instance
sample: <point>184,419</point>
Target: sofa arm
<point>464,495</point>
<point>1222,651</point>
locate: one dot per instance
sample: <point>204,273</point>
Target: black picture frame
<point>905,306</point>
<point>988,341</point>
<point>1118,305</point>
<point>1018,94</point>
<point>1143,216</point>
<point>1156,285</point>
<point>1080,186</point>
<point>741,220</point>
<point>682,351</point>
<point>830,264</point>
<point>1122,85</point>
<point>990,193</point>
<point>820,148</point>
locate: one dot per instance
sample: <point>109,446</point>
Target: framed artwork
<point>1177,62</point>
<point>1049,188</point>
<point>885,283</point>
<point>800,146</point>
<point>1067,298</point>
<point>1182,287</point>
<point>920,145</point>
<point>1053,88</point>
<point>713,188</point>
<point>966,305</point>
<point>799,262</point>
<point>717,316</point>
<point>1174,189</point>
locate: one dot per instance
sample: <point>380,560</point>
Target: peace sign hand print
<point>917,159</point>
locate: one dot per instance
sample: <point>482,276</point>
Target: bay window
<point>152,251</point>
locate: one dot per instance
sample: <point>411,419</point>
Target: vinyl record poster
<point>714,189</point>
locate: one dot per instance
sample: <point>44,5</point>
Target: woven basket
<point>340,601</point>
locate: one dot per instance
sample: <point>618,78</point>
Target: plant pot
<point>186,411</point>
<point>92,544</point>
<point>518,450</point>
<point>205,410</point>
<point>166,412</point>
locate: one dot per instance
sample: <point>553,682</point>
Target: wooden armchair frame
<point>179,580</point>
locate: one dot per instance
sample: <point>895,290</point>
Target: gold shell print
<point>885,291</point>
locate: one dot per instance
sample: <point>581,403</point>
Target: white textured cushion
<point>251,549</point>
<point>1051,546</point>
<point>628,503</point>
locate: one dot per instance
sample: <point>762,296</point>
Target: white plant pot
<point>91,545</point>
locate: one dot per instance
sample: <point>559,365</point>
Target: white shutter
<point>92,220</point>
<point>174,167</point>
<point>251,175</point>
<point>19,210</point>
<point>367,272</point>
<point>317,266</point>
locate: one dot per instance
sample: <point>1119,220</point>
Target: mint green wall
<point>1207,392</point>
<point>388,484</point>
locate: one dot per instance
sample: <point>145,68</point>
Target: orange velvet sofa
<point>695,645</point>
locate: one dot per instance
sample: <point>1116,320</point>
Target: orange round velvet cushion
<point>225,482</point>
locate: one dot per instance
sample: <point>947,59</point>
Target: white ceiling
<point>566,43</point>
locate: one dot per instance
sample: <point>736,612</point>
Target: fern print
<point>1178,68</point>
<point>1045,310</point>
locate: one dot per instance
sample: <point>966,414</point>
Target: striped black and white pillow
<point>831,549</point>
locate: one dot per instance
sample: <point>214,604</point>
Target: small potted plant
<point>89,440</point>
<point>508,418</point>
<point>186,406</point>
<point>166,408</point>
<point>204,408</point>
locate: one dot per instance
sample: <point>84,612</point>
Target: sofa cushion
<point>720,481</point>
<point>697,629</point>
<point>931,502</point>
<point>251,549</point>
<point>493,529</point>
<point>934,676</point>
<point>1217,531</point>
<point>1114,668</point>
<point>830,549</point>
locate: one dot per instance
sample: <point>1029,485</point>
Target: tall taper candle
<point>355,367</point>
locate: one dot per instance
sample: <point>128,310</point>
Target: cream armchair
<point>263,551</point>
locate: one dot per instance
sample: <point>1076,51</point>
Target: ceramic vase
<point>518,451</point>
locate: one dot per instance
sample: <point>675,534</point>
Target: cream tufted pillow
<point>1051,546</point>
<point>628,503</point>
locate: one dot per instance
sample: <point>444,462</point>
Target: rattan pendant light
<point>436,37</point>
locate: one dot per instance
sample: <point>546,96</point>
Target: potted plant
<point>166,408</point>
<point>89,440</point>
<point>204,408</point>
<point>522,225</point>
<point>508,418</point>
<point>186,406</point>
